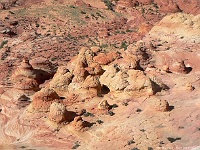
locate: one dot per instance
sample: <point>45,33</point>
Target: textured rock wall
<point>171,6</point>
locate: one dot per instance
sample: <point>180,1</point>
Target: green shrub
<point>124,45</point>
<point>99,121</point>
<point>111,113</point>
<point>109,4</point>
<point>130,142</point>
<point>76,145</point>
<point>3,43</point>
<point>87,114</point>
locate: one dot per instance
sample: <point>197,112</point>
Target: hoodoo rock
<point>87,74</point>
<point>61,81</point>
<point>25,77</point>
<point>125,71</point>
<point>81,75</point>
<point>57,112</point>
<point>43,99</point>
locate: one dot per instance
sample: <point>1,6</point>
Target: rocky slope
<point>99,75</point>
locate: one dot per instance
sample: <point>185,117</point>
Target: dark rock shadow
<point>43,76</point>
<point>70,115</point>
<point>88,124</point>
<point>188,69</point>
<point>172,140</point>
<point>171,108</point>
<point>105,89</point>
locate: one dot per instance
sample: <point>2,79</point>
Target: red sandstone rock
<point>43,99</point>
<point>24,83</point>
<point>104,59</point>
<point>189,6</point>
<point>176,37</point>
<point>25,69</point>
<point>25,77</point>
<point>95,49</point>
<point>167,5</point>
<point>91,82</point>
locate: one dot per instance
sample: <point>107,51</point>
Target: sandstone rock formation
<point>178,67</point>
<point>25,77</point>
<point>58,112</point>
<point>78,124</point>
<point>168,5</point>
<point>189,6</point>
<point>127,81</point>
<point>43,99</point>
<point>157,104</point>
<point>176,55</point>
<point>123,61</point>
<point>117,75</point>
<point>104,59</point>
<point>81,74</point>
<point>103,105</point>
<point>61,80</point>
<point>87,73</point>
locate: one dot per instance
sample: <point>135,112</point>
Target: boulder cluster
<point>92,73</point>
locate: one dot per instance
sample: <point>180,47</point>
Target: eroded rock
<point>103,105</point>
<point>157,104</point>
<point>179,67</point>
<point>104,59</point>
<point>25,77</point>
<point>43,99</point>
<point>79,124</point>
<point>57,112</point>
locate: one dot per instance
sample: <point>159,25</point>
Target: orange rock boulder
<point>43,99</point>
